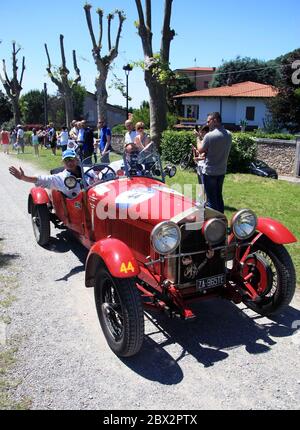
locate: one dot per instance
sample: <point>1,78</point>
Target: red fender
<point>117,257</point>
<point>38,196</point>
<point>275,231</point>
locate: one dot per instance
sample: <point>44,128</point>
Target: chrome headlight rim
<point>155,231</point>
<point>236,218</point>
<point>206,227</point>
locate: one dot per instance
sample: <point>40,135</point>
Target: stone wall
<point>117,143</point>
<point>282,155</point>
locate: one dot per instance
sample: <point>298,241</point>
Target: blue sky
<point>206,31</point>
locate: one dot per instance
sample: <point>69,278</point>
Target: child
<point>35,142</point>
<point>200,158</point>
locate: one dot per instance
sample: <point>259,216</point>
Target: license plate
<point>210,282</point>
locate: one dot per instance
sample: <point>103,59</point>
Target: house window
<point>192,111</point>
<point>250,113</point>
<point>205,84</point>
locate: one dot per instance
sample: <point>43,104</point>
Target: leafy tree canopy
<point>5,108</point>
<point>246,69</point>
<point>285,107</point>
<point>32,107</point>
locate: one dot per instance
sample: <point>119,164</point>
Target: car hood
<point>143,199</point>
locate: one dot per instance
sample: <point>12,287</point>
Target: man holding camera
<point>216,145</point>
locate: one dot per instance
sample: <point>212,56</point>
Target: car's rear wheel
<point>40,223</point>
<point>273,277</point>
<point>120,313</point>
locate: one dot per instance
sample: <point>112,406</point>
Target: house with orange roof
<point>199,76</point>
<point>245,101</point>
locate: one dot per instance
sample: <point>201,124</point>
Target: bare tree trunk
<point>158,108</point>
<point>69,105</point>
<point>103,62</point>
<point>16,111</point>
<point>13,87</point>
<point>63,84</point>
<point>102,95</point>
<point>157,86</point>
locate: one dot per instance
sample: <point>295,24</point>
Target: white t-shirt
<point>64,137</point>
<point>20,133</point>
<point>130,136</point>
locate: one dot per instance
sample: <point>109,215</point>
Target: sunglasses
<point>140,128</point>
<point>68,159</point>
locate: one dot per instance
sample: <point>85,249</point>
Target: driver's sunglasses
<point>67,160</point>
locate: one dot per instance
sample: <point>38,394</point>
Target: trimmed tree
<point>104,62</point>
<point>64,85</point>
<point>13,87</point>
<point>156,67</point>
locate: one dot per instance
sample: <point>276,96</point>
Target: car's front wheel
<point>120,313</point>
<point>40,223</point>
<point>273,276</point>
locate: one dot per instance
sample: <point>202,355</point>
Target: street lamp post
<point>45,105</point>
<point>127,70</point>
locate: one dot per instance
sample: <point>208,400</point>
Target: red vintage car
<point>150,245</point>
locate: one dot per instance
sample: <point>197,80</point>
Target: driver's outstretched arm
<point>19,174</point>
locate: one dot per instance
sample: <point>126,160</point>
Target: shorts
<point>53,144</point>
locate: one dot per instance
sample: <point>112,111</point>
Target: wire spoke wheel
<point>40,223</point>
<point>273,277</point>
<point>120,313</point>
<point>112,310</point>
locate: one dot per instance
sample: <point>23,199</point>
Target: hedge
<point>175,144</point>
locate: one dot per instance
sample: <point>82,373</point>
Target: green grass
<point>268,198</point>
<point>8,283</point>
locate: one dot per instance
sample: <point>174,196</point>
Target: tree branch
<point>144,33</point>
<point>5,73</point>
<point>23,69</point>
<point>148,15</point>
<point>121,20</point>
<point>47,53</point>
<point>109,18</point>
<point>87,9</point>
<point>167,33</point>
<point>52,77</point>
<point>62,50</point>
<point>76,68</point>
<point>100,14</point>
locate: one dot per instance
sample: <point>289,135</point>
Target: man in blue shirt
<point>104,141</point>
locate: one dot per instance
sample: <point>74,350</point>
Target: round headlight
<point>165,237</point>
<point>214,231</point>
<point>244,224</point>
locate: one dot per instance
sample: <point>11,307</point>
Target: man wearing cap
<point>56,181</point>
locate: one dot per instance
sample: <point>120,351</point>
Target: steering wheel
<point>107,172</point>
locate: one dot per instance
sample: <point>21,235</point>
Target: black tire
<point>40,223</point>
<point>120,313</point>
<point>282,278</point>
<point>184,162</point>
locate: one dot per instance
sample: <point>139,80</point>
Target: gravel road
<point>229,358</point>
